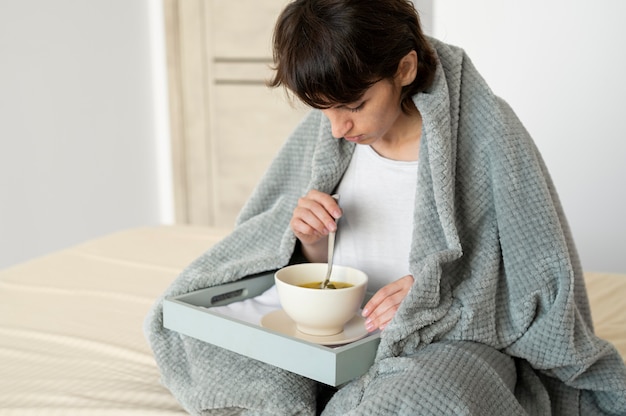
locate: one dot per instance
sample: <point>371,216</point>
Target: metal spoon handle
<point>331,252</point>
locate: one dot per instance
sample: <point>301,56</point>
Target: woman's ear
<point>407,69</point>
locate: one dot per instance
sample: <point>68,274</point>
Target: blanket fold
<point>498,284</point>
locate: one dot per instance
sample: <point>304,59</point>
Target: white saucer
<point>279,321</point>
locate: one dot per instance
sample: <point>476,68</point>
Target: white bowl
<point>316,311</point>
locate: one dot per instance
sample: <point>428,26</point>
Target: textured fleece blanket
<point>497,321</point>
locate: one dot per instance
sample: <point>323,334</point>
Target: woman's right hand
<point>313,218</point>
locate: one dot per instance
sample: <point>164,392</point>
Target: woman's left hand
<point>384,304</point>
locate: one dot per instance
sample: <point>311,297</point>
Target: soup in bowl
<point>316,311</point>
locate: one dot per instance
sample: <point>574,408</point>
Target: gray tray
<point>191,314</point>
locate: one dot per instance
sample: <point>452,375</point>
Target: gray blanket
<point>497,321</point>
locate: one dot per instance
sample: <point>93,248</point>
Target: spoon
<point>331,251</point>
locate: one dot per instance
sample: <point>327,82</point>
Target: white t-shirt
<point>377,196</point>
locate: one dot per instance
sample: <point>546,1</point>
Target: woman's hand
<point>313,218</point>
<point>384,304</point>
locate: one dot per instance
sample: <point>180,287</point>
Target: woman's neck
<point>402,142</point>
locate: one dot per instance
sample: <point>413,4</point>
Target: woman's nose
<point>340,123</point>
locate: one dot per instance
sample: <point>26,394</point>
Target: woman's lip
<point>353,138</point>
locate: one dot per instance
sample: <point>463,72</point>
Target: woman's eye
<point>357,108</point>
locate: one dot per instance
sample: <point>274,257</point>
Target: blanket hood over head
<point>492,256</point>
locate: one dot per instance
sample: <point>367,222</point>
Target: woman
<point>365,89</point>
<point>447,205</point>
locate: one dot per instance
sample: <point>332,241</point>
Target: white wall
<point>82,130</point>
<point>562,67</point>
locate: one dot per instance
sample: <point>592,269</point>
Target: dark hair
<point>330,52</point>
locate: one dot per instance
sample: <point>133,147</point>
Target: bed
<point>71,338</point>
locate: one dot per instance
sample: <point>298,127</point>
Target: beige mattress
<point>71,340</point>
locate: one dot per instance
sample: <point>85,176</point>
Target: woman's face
<point>370,119</point>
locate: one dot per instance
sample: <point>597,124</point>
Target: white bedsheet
<point>71,340</point>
